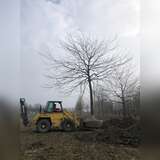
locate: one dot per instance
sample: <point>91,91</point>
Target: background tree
<point>122,86</point>
<point>103,107</point>
<point>87,60</point>
<point>79,106</point>
<point>135,103</point>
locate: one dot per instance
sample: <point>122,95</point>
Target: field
<point>58,145</point>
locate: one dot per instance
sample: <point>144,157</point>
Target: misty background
<point>28,26</point>
<point>45,22</point>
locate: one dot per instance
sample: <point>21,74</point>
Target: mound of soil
<point>120,123</point>
<point>116,131</point>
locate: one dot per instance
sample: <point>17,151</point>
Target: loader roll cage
<point>51,106</point>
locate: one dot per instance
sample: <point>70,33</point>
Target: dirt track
<point>57,145</point>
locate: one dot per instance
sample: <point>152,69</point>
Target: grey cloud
<point>54,1</point>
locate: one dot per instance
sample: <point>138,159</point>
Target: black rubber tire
<point>68,126</point>
<point>43,126</point>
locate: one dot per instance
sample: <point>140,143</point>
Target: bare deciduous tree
<point>102,103</point>
<point>122,86</point>
<point>79,106</point>
<point>88,59</point>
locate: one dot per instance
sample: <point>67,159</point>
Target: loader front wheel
<point>68,126</point>
<point>43,126</point>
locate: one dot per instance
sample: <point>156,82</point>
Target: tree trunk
<point>91,96</point>
<point>124,106</point>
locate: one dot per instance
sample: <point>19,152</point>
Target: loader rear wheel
<point>43,126</point>
<point>68,126</point>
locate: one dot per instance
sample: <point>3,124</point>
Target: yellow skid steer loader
<point>53,116</point>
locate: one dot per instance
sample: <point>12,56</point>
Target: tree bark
<point>124,106</point>
<point>91,96</point>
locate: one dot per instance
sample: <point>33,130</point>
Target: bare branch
<point>88,60</point>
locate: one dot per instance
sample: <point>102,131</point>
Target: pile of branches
<point>116,131</point>
<point>121,131</point>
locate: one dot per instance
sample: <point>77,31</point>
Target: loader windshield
<point>51,107</point>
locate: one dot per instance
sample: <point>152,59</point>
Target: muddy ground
<point>58,145</point>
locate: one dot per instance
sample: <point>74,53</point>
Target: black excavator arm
<point>23,110</point>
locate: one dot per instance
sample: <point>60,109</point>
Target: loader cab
<point>53,107</point>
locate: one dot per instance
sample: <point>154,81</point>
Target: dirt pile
<point>120,123</point>
<point>125,131</point>
<point>116,131</point>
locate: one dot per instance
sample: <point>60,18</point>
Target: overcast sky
<point>44,22</point>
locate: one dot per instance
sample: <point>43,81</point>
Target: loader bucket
<point>93,123</point>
